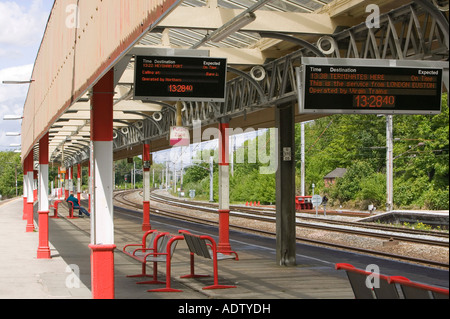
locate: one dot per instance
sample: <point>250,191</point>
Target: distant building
<point>330,179</point>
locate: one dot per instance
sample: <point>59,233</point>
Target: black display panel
<point>371,89</point>
<point>180,78</point>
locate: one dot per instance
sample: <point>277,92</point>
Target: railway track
<point>332,226</point>
<point>261,209</point>
<point>319,223</point>
<point>270,212</point>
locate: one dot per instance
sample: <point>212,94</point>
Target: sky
<point>22,26</point>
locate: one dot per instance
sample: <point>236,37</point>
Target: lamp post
<point>389,163</point>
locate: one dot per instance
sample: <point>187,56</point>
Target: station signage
<point>371,87</point>
<point>179,136</point>
<point>175,78</point>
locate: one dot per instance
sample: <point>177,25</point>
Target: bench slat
<point>388,286</point>
<point>198,246</point>
<point>415,290</point>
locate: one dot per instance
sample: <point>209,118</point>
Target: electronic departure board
<point>369,89</point>
<point>174,78</point>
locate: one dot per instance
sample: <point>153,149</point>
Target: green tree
<point>348,187</point>
<point>196,173</point>
<point>10,161</point>
<point>358,143</point>
<point>372,190</point>
<point>421,165</point>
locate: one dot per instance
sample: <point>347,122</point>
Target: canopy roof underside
<point>112,33</point>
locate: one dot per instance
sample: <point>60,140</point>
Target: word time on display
<point>180,78</point>
<point>371,89</point>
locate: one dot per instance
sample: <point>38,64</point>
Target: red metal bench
<point>414,290</point>
<point>388,286</point>
<point>358,278</point>
<point>160,248</point>
<point>55,208</point>
<point>147,245</point>
<point>71,209</point>
<point>198,246</point>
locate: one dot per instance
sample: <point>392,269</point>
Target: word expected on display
<point>371,89</point>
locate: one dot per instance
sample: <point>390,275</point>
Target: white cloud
<point>12,99</point>
<point>9,92</point>
<point>21,24</point>
<point>9,126</point>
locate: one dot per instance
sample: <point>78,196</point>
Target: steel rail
<point>179,216</point>
<point>264,217</point>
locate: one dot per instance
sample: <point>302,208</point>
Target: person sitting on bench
<point>76,205</point>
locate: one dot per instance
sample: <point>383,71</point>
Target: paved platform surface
<point>23,276</point>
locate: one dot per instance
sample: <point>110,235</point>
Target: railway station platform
<point>23,276</point>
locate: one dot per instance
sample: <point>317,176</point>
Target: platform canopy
<point>85,39</point>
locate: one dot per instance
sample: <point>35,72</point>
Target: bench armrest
<point>130,245</point>
<point>55,203</point>
<point>154,254</point>
<point>168,247</point>
<point>143,250</point>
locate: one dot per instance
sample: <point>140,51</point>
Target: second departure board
<point>174,78</point>
<point>371,89</point>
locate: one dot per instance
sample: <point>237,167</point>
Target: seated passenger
<point>76,205</point>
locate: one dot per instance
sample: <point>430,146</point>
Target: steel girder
<point>409,32</point>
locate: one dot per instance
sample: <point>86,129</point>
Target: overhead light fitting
<point>18,82</point>
<point>12,134</point>
<point>232,26</point>
<point>12,117</point>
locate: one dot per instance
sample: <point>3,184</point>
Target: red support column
<point>79,183</point>
<point>89,186</point>
<point>35,177</point>
<point>43,251</point>
<point>58,183</point>
<point>30,197</point>
<point>146,181</point>
<point>102,226</point>
<point>224,192</point>
<point>25,189</point>
<point>66,184</point>
<point>70,171</point>
<point>102,267</point>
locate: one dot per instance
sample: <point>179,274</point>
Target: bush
<point>348,187</point>
<point>373,189</point>
<point>436,199</point>
<point>253,186</point>
<point>408,193</point>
